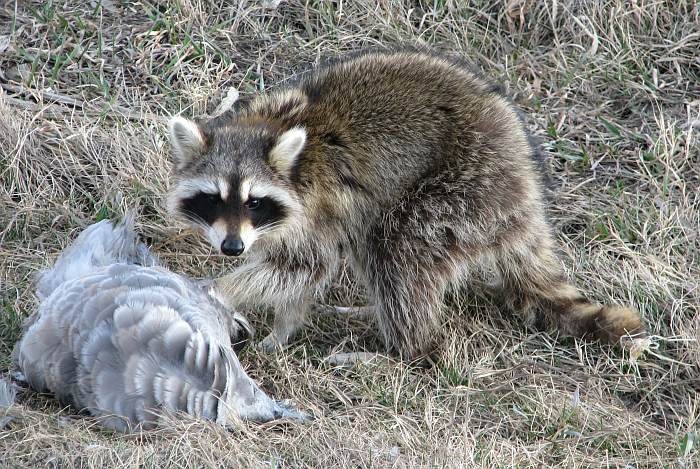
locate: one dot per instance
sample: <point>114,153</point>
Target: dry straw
<point>612,89</point>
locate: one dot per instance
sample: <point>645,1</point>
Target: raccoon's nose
<point>232,247</point>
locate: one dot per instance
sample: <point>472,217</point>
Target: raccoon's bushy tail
<point>572,313</point>
<point>534,280</point>
<point>100,244</point>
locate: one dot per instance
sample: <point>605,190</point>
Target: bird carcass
<point>122,337</point>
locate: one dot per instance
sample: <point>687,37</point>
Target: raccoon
<point>409,165</point>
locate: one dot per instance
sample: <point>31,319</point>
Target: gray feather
<point>8,393</point>
<point>101,244</point>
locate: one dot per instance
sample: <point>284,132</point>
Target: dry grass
<point>613,90</point>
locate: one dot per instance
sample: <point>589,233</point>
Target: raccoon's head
<point>232,181</point>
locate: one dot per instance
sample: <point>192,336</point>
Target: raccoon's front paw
<point>271,344</point>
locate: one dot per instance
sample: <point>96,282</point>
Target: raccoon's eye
<point>253,203</point>
<point>213,198</point>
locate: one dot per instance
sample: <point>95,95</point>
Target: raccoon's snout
<point>232,247</point>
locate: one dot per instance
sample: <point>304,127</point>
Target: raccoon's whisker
<point>194,218</point>
<point>268,228</point>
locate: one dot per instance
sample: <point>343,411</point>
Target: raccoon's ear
<point>187,140</point>
<point>288,147</point>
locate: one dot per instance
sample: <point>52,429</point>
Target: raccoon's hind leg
<point>534,282</point>
<point>407,265</point>
<point>409,298</point>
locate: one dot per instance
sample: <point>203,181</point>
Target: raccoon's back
<point>392,118</point>
<point>126,340</point>
<point>370,91</point>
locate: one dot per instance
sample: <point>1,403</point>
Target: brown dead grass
<point>613,90</point>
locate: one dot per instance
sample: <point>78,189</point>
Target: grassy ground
<point>611,87</point>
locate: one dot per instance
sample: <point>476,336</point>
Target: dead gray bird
<point>125,339</point>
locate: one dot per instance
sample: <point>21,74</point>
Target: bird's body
<point>126,339</point>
